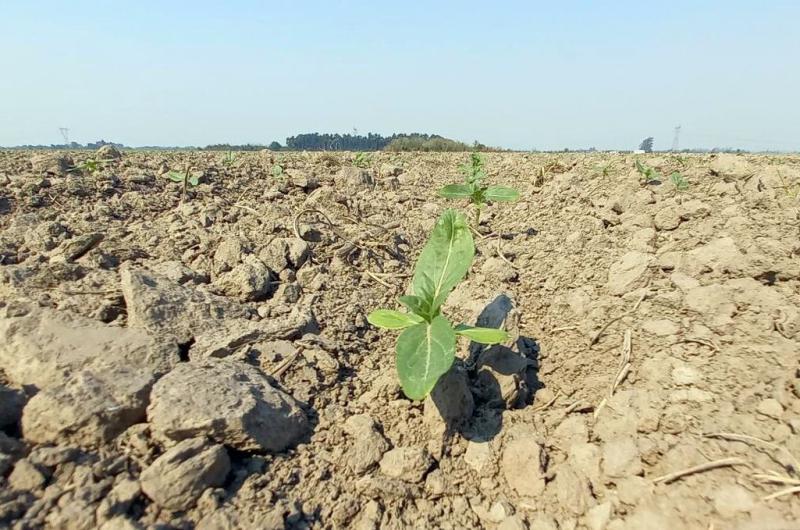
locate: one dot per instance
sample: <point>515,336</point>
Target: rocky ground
<point>200,358</point>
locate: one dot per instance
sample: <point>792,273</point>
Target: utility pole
<point>676,138</point>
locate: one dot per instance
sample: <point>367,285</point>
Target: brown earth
<point>204,361</point>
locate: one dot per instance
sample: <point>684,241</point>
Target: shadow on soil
<point>498,378</point>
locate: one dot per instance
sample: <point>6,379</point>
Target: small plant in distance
<point>277,172</point>
<point>679,181</point>
<point>186,177</point>
<point>91,165</point>
<point>426,347</point>
<point>474,190</point>
<point>649,174</point>
<point>229,159</point>
<point>362,160</point>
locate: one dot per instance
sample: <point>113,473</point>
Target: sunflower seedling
<point>474,190</point>
<point>362,160</point>
<point>186,177</point>
<point>649,174</point>
<point>679,181</point>
<point>426,347</point>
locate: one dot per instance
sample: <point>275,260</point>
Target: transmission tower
<point>64,134</point>
<point>676,138</point>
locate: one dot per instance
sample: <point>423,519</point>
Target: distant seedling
<point>186,177</point>
<point>679,181</point>
<point>229,159</point>
<point>474,190</point>
<point>426,347</point>
<point>91,165</point>
<point>649,175</point>
<point>277,172</point>
<point>362,160</point>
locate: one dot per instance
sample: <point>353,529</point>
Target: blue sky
<point>515,74</point>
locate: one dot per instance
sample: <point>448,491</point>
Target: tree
<point>647,145</point>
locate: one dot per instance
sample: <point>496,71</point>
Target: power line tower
<point>64,134</point>
<point>676,137</point>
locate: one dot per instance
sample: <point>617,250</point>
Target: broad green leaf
<point>415,304</point>
<point>194,180</point>
<point>425,352</point>
<point>455,191</point>
<point>444,260</point>
<point>501,194</point>
<point>389,319</point>
<point>175,176</point>
<point>482,335</point>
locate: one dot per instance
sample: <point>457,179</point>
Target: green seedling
<point>426,347</point>
<point>474,190</point>
<point>649,174</point>
<point>186,177</point>
<point>229,159</point>
<point>91,165</point>
<point>362,160</point>
<point>277,172</point>
<point>679,181</point>
<point>605,170</point>
<point>792,191</point>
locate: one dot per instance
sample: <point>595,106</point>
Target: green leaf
<point>444,261</point>
<point>389,319</point>
<point>425,352</point>
<point>501,194</point>
<point>175,176</point>
<point>482,335</point>
<point>194,180</point>
<point>455,191</point>
<point>415,304</point>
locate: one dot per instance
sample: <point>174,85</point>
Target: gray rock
<point>628,273</point>
<point>119,499</point>
<point>355,177</point>
<point>504,377</point>
<point>731,167</point>
<point>406,463</point>
<point>76,247</point>
<point>90,408</point>
<point>667,218</point>
<point>108,152</point>
<point>621,458</point>
<point>450,404</point>
<point>51,163</point>
<point>249,281</point>
<point>390,170</point>
<point>285,253</point>
<point>177,478</point>
<point>523,465</point>
<point>26,476</point>
<point>368,446</point>
<point>44,348</point>
<point>161,306</point>
<point>228,254</point>
<point>11,403</point>
<point>230,402</point>
<point>225,337</point>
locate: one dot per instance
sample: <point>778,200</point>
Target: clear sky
<point>517,74</point>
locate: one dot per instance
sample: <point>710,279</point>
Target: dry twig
<point>725,462</point>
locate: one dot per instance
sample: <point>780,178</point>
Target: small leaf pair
<point>426,347</point>
<point>474,190</point>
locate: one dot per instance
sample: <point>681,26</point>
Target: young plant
<point>229,159</point>
<point>91,165</point>
<point>277,172</point>
<point>426,347</point>
<point>649,174</point>
<point>187,178</point>
<point>679,181</point>
<point>362,160</point>
<point>474,190</point>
